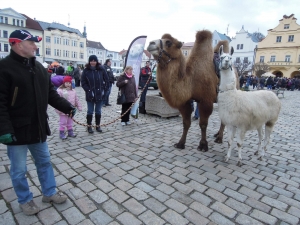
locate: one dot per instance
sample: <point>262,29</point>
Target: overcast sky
<point>115,23</point>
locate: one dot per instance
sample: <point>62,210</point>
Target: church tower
<point>84,31</point>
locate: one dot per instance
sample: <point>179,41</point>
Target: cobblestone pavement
<point>133,175</point>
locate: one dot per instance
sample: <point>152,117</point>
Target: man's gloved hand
<point>7,138</point>
<point>73,112</point>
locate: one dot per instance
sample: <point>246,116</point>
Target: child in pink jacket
<point>66,91</point>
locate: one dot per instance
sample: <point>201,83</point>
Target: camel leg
<point>186,112</point>
<point>205,110</point>
<point>230,136</point>
<point>219,135</point>
<point>259,131</point>
<point>240,141</point>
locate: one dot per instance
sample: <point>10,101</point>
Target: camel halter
<point>161,52</point>
<point>226,68</point>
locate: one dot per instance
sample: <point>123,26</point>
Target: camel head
<point>225,59</point>
<point>165,49</point>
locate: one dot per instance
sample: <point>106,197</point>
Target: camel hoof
<point>239,163</point>
<point>256,153</point>
<point>219,140</point>
<point>226,159</point>
<point>180,146</point>
<point>203,147</point>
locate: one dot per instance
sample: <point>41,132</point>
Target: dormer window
<point>286,26</point>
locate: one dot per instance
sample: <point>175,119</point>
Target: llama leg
<point>205,110</point>
<point>230,136</point>
<point>240,141</point>
<point>259,131</point>
<point>268,130</point>
<point>186,112</point>
<point>219,135</point>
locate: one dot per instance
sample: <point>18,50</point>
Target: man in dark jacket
<point>111,79</point>
<point>144,76</point>
<point>25,92</point>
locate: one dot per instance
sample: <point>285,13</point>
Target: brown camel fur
<point>219,134</point>
<point>181,80</point>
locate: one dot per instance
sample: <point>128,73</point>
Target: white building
<point>11,20</point>
<point>63,44</point>
<point>219,37</point>
<point>96,48</point>
<point>244,44</point>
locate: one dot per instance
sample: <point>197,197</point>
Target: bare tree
<point>241,66</point>
<point>260,68</point>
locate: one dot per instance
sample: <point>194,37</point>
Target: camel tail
<point>225,46</point>
<point>203,35</point>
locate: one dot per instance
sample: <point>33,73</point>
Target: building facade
<point>96,48</point>
<point>219,37</point>
<point>11,20</point>
<point>63,44</point>
<point>244,45</point>
<point>281,48</point>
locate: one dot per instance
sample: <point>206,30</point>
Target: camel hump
<point>225,44</point>
<point>167,36</point>
<point>203,35</point>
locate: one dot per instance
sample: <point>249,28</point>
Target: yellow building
<point>281,48</point>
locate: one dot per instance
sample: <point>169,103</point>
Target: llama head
<point>225,59</point>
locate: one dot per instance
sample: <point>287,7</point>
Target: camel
<point>181,80</point>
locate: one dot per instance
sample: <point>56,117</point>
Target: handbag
<point>121,99</point>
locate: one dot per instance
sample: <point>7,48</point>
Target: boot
<point>62,135</point>
<point>71,134</point>
<point>89,119</point>
<point>98,119</point>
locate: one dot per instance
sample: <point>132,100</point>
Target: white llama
<point>241,111</point>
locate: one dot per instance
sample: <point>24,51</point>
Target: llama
<point>241,111</point>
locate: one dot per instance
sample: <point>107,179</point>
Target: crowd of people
<point>270,82</point>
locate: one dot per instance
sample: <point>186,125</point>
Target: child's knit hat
<point>67,79</point>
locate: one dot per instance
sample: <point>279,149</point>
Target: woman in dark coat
<point>94,81</point>
<point>126,83</point>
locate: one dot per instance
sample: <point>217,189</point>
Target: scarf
<point>127,75</point>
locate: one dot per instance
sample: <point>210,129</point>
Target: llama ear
<point>179,44</point>
<point>221,50</point>
<point>232,50</point>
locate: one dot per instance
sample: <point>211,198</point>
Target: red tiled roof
<point>32,24</point>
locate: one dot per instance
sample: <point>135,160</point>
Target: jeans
<point>196,111</point>
<point>269,86</point>
<point>94,106</point>
<point>143,96</point>
<point>73,83</point>
<point>106,101</point>
<point>65,122</point>
<point>17,155</point>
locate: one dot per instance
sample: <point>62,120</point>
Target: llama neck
<point>228,80</point>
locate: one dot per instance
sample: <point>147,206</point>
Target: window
<point>57,40</point>
<point>245,59</point>
<point>74,43</point>
<point>67,42</point>
<point>81,55</point>
<point>291,38</point>
<point>286,26</point>
<point>115,64</point>
<point>185,52</point>
<point>242,46</point>
<point>237,60</point>
<point>48,51</point>
<point>56,52</point>
<point>1,19</point>
<point>74,54</point>
<point>272,58</point>
<point>278,39</point>
<point>68,54</point>
<point>14,22</point>
<point>6,20</point>
<point>238,47</point>
<point>48,39</point>
<point>6,47</point>
<point>18,23</point>
<point>262,59</point>
<point>5,34</point>
<point>22,23</point>
<point>81,45</point>
<point>37,52</point>
<point>287,58</point>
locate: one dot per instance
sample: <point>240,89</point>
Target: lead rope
<point>113,121</point>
